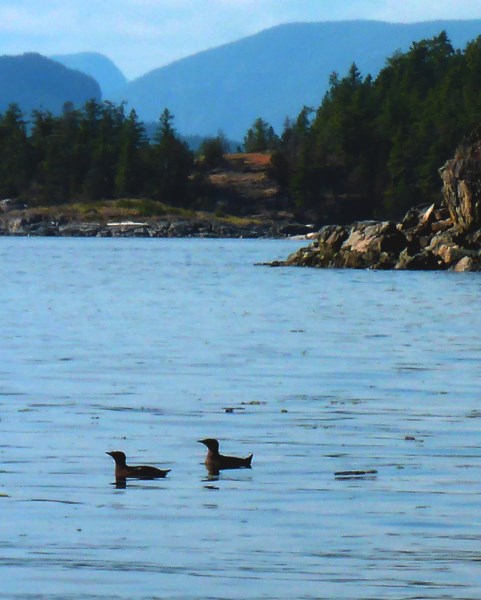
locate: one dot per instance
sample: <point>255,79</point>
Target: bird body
<point>123,470</point>
<point>214,461</point>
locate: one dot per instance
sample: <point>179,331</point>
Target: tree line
<point>376,144</point>
<point>97,152</point>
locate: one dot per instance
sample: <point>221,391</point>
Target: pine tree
<point>14,153</point>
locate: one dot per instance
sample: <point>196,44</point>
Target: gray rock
<point>423,261</point>
<point>82,230</point>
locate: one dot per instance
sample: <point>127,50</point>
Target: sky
<point>141,35</point>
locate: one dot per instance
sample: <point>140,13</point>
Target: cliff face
<point>462,184</point>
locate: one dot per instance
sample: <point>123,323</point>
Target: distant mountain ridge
<point>102,69</point>
<point>274,73</point>
<point>35,82</point>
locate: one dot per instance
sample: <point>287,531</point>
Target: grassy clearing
<point>134,209</point>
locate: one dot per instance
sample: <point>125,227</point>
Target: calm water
<point>141,345</point>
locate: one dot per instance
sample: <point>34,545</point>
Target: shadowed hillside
<point>35,82</point>
<point>98,66</point>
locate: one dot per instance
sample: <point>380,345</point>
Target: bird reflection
<point>121,484</point>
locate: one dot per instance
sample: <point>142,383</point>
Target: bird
<point>123,470</point>
<point>214,461</point>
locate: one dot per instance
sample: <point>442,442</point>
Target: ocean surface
<point>148,345</point>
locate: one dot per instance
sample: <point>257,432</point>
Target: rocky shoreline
<point>31,223</point>
<point>425,240</point>
<point>442,236</point>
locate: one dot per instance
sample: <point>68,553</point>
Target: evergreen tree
<point>130,170</point>
<point>14,153</point>
<point>212,151</point>
<point>171,163</point>
<point>260,137</point>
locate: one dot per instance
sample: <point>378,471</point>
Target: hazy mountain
<point>274,73</point>
<point>98,66</point>
<point>34,81</point>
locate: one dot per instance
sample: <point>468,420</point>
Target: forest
<point>92,154</point>
<point>373,146</point>
<point>378,143</point>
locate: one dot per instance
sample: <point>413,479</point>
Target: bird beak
<point>109,453</point>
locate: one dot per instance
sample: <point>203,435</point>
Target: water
<point>141,345</point>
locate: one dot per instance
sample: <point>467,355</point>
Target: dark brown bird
<point>214,461</point>
<point>123,470</point>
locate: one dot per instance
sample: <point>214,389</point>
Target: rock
<point>43,229</point>
<point>462,184</point>
<point>366,260</point>
<point>291,229</point>
<point>473,240</point>
<point>32,224</point>
<point>442,225</point>
<point>83,230</point>
<point>375,238</point>
<point>426,218</point>
<point>468,263</point>
<point>449,254</point>
<point>332,236</point>
<point>423,261</point>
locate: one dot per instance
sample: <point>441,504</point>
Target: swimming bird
<point>123,470</point>
<point>214,461</point>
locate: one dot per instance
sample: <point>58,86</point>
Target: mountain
<point>98,66</point>
<point>33,81</point>
<point>274,73</point>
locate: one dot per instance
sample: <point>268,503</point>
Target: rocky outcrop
<point>426,239</point>
<point>462,184</point>
<point>437,237</point>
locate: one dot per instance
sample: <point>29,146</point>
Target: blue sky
<point>140,35</point>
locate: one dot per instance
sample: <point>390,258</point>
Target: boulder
<point>82,230</point>
<point>422,261</point>
<point>373,237</point>
<point>33,224</point>
<point>332,236</point>
<point>468,263</point>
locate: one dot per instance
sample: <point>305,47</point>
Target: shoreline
<point>23,224</point>
<point>426,239</point>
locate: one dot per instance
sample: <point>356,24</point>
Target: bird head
<point>212,444</point>
<point>118,456</point>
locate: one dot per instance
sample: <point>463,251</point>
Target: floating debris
<point>253,403</point>
<point>354,474</point>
